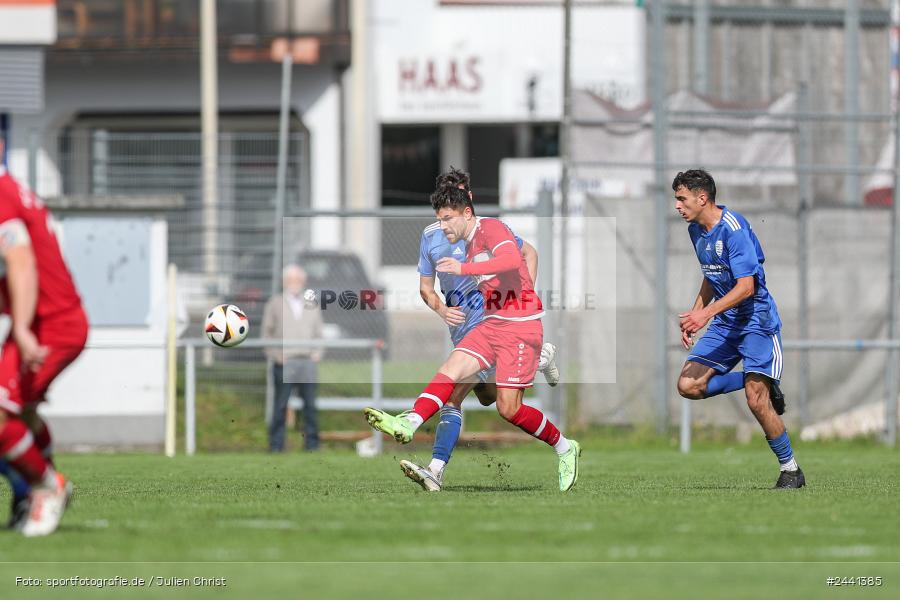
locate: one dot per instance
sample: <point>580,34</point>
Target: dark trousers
<point>307,390</point>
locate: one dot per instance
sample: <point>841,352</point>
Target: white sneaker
<point>424,477</point>
<point>547,364</point>
<point>47,507</point>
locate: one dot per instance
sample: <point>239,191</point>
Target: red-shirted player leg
<point>535,423</point>
<point>457,367</point>
<point>50,491</point>
<point>18,448</point>
<point>42,438</point>
<point>404,426</point>
<point>432,399</point>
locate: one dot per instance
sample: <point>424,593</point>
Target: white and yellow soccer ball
<point>226,326</point>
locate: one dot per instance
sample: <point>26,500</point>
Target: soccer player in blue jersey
<point>745,322</point>
<point>462,308</point>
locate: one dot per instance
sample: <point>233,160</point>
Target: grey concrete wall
<point>848,298</point>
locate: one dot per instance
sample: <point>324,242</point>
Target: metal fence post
<point>851,101</point>
<point>171,357</point>
<point>190,390</point>
<point>701,46</point>
<point>281,175</point>
<point>659,95</point>
<point>805,187</point>
<point>33,143</point>
<point>685,432</point>
<point>377,379</point>
<point>890,405</point>
<point>565,151</point>
<point>270,391</point>
<point>549,397</point>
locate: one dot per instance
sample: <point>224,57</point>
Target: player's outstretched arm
<point>506,258</point>
<point>451,315</point>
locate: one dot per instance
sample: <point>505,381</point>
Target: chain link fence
<point>788,107</point>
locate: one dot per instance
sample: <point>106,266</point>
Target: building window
<point>410,161</point>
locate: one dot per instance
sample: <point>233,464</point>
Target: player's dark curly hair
<point>453,178</point>
<point>451,196</point>
<point>696,179</point>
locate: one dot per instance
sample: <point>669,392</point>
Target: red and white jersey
<point>509,295</point>
<point>21,210</point>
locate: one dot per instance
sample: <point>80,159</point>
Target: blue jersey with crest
<point>459,290</point>
<point>729,251</point>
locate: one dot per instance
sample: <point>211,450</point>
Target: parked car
<point>352,304</point>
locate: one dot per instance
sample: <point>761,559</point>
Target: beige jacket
<point>279,323</point>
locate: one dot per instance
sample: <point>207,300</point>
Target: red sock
<point>534,422</point>
<point>18,448</point>
<point>434,397</point>
<point>44,441</point>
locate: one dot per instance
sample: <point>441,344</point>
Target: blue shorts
<point>487,375</point>
<point>721,349</point>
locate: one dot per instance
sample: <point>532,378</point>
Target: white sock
<point>49,480</point>
<point>790,465</point>
<point>562,445</point>
<point>415,419</point>
<point>436,466</point>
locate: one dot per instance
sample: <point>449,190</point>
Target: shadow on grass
<point>492,488</point>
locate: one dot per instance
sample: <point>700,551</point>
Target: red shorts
<point>64,336</point>
<point>512,346</point>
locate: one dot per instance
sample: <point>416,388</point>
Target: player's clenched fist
<point>694,321</point>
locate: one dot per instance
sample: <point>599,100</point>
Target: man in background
<point>291,318</point>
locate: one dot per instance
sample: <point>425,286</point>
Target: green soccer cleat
<point>397,427</point>
<point>568,467</point>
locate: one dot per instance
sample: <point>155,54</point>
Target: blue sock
<point>781,446</point>
<point>722,384</point>
<point>447,433</point>
<point>20,487</point>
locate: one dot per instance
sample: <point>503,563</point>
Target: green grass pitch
<point>643,520</point>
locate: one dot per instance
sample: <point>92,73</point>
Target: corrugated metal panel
<point>21,80</point>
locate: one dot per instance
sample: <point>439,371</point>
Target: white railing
<point>858,345</point>
<point>190,391</point>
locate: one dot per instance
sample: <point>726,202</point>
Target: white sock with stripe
<point>415,419</point>
<point>562,445</point>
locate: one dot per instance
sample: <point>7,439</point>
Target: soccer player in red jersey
<point>509,336</point>
<point>49,330</point>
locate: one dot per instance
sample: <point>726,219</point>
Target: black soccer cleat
<point>18,512</point>
<point>777,397</point>
<point>790,480</point>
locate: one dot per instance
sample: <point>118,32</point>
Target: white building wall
<point>323,120</point>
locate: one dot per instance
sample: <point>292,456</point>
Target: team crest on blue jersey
<point>719,248</point>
